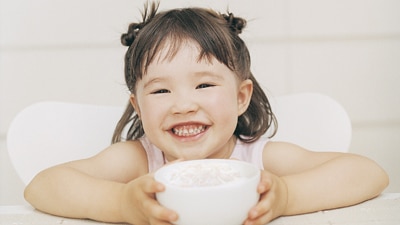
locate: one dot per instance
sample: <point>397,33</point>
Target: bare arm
<point>298,181</point>
<point>320,180</point>
<point>65,191</point>
<point>102,188</point>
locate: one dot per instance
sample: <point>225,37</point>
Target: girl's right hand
<point>139,205</point>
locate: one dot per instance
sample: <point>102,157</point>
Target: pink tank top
<point>248,152</point>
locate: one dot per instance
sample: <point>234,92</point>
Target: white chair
<point>314,121</point>
<point>49,133</point>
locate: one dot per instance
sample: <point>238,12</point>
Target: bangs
<point>175,28</point>
<point>169,47</point>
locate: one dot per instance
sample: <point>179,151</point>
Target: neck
<point>230,146</point>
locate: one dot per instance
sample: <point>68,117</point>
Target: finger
<point>265,182</point>
<point>265,205</point>
<point>261,220</point>
<point>151,186</point>
<point>157,222</point>
<point>262,207</point>
<point>154,221</point>
<point>158,212</point>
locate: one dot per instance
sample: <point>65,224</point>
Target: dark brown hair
<point>217,35</point>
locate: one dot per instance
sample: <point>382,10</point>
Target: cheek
<point>151,114</point>
<point>224,107</point>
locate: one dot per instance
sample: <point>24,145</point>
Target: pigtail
<point>258,118</point>
<point>128,38</point>
<point>236,24</point>
<point>125,119</point>
<point>130,116</point>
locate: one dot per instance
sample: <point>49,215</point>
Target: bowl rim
<point>158,174</point>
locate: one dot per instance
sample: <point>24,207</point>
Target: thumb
<point>265,182</point>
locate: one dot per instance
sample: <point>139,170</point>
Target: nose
<point>184,103</point>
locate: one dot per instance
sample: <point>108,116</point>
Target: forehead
<point>170,49</point>
<point>186,60</point>
<point>187,55</point>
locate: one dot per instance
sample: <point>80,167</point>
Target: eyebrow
<point>205,73</point>
<point>208,73</point>
<point>157,79</point>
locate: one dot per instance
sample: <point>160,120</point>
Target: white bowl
<point>209,191</point>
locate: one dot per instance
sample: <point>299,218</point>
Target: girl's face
<point>189,108</point>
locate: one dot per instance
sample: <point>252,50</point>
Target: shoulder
<point>122,162</point>
<point>250,152</point>
<point>283,158</point>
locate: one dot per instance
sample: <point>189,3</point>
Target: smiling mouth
<point>188,130</point>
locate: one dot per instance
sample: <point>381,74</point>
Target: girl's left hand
<point>273,200</point>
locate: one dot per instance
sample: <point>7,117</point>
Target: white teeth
<point>188,130</point>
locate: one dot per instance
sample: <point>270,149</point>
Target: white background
<point>347,49</point>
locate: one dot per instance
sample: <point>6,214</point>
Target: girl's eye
<point>161,91</point>
<point>204,86</point>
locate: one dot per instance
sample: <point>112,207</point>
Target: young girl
<point>193,97</point>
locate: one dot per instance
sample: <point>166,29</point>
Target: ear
<point>135,104</point>
<point>244,95</point>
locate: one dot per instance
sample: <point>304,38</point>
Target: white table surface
<point>383,210</point>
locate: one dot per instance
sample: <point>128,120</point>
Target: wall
<point>349,50</point>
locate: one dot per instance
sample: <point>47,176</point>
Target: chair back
<point>49,133</point>
<point>312,120</point>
